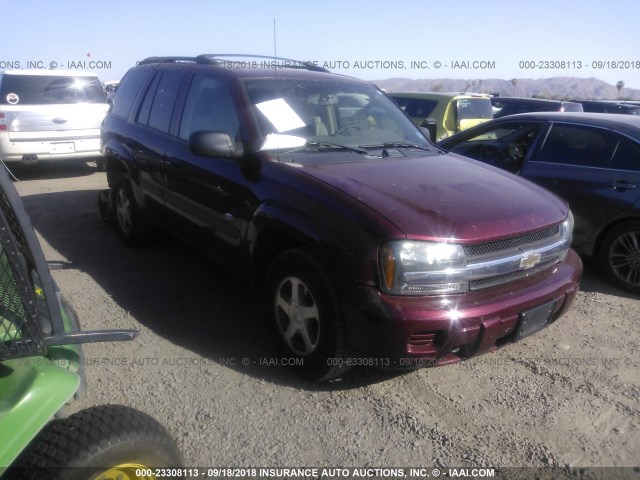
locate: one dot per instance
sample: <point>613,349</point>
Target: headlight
<point>566,229</point>
<point>423,268</point>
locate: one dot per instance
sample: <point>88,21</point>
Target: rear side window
<point>164,100</point>
<point>145,108</point>
<point>128,91</point>
<point>50,89</point>
<point>593,107</point>
<point>472,108</point>
<point>578,145</point>
<point>572,107</point>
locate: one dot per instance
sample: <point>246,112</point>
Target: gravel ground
<point>567,397</point>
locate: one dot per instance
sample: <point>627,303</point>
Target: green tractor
<point>41,371</point>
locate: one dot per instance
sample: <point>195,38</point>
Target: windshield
<point>50,89</point>
<point>295,113</point>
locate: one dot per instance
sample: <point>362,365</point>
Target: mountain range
<point>561,88</point>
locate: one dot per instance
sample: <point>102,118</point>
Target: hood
<point>445,196</point>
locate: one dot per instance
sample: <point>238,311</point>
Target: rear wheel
<point>127,215</point>
<point>620,256</point>
<point>305,315</point>
<point>101,443</point>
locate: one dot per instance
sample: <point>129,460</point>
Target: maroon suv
<point>370,245</point>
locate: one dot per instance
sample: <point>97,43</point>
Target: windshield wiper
<point>315,144</point>
<point>397,145</point>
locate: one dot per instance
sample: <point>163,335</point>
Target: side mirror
<point>430,128</point>
<point>214,144</point>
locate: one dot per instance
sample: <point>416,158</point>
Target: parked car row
<point>503,106</point>
<point>608,106</point>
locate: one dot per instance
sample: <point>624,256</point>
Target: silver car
<point>50,115</point>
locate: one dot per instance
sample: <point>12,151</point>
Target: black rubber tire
<point>624,277</point>
<point>135,233</point>
<point>105,208</point>
<point>90,442</point>
<point>325,361</point>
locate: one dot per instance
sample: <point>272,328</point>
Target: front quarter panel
<point>314,213</point>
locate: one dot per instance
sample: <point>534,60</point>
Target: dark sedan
<point>612,106</point>
<point>503,106</point>
<point>590,160</point>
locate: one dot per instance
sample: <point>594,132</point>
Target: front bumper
<point>406,332</point>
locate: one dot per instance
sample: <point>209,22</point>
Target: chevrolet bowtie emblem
<point>529,260</point>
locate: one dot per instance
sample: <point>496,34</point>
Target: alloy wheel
<point>297,316</point>
<point>123,211</point>
<point>624,257</point>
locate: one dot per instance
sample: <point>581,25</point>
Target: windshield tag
<point>280,114</point>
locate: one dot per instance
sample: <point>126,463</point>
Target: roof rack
<point>150,60</point>
<point>220,60</point>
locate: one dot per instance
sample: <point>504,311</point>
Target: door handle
<point>622,185</point>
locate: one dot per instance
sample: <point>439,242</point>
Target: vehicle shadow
<point>172,290</point>
<point>51,170</point>
<point>593,281</point>
<point>183,297</point>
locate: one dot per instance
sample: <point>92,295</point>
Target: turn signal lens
<point>389,267</point>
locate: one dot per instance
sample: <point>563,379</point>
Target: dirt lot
<point>567,397</point>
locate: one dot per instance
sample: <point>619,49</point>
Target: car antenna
<point>275,51</point>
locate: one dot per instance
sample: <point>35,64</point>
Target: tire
<point>305,316</point>
<point>105,207</point>
<point>104,442</point>
<point>127,215</point>
<point>620,256</point>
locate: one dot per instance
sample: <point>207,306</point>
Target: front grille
<point>492,247</point>
<point>507,277</point>
<point>502,261</point>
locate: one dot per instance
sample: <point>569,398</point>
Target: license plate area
<point>67,147</point>
<point>534,319</point>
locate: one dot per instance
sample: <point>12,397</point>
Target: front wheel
<point>305,315</point>
<point>107,442</point>
<point>620,256</point>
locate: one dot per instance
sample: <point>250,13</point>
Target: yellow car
<point>452,112</point>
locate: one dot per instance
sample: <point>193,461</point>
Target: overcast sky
<point>367,39</point>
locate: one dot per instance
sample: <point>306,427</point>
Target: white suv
<point>49,115</point>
